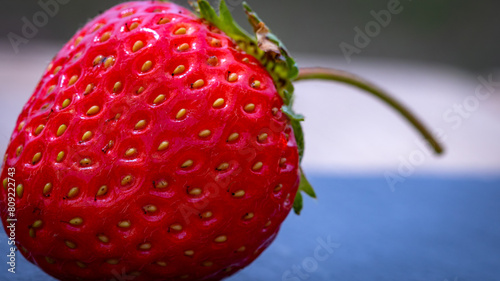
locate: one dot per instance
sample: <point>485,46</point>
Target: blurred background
<point>391,209</point>
<point>460,33</point>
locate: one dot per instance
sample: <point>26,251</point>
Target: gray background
<point>461,33</point>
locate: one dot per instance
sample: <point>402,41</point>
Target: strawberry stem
<point>353,80</point>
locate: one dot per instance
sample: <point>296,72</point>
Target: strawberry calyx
<point>273,55</point>
<point>264,46</point>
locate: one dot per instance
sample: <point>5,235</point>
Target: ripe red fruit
<point>153,145</point>
<point>157,145</point>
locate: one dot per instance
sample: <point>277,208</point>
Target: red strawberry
<point>158,145</point>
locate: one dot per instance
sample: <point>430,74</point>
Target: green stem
<point>351,79</point>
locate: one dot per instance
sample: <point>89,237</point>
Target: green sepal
<point>224,21</point>
<point>288,95</point>
<point>299,137</point>
<point>291,114</point>
<point>295,120</point>
<point>306,187</point>
<point>297,203</point>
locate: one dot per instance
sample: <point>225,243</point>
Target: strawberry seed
<point>57,69</point>
<point>140,125</point>
<point>70,244</point>
<point>220,239</point>
<point>20,190</point>
<point>126,180</point>
<point>137,46</point>
<point>112,261</point>
<point>249,107</point>
<point>105,37</point>
<point>65,103</point>
<point>218,103</point>
<point>60,156</point>
<point>163,146</point>
<point>36,158</point>
<point>147,66</point>
<point>248,216</point>
<point>207,263</point>
<point>180,31</point>
<point>239,194</point>
<point>206,215</point>
<point>223,166</point>
<point>86,136</point>
<point>159,99</point>
<point>181,113</point>
<point>124,224</point>
<point>39,129</point>
<point>88,89</point>
<point>161,263</point>
<point>93,110</point>
<point>195,191</point>
<point>109,61</point>
<point>19,149</point>
<point>198,84</point>
<point>102,190</point>
<point>204,133</point>
<point>145,246</point>
<point>233,137</point>
<point>133,26</point>
<point>176,227</point>
<point>233,77</point>
<point>37,224</point>
<point>72,80</point>
<point>61,130</point>
<point>262,137</point>
<point>76,221</point>
<point>179,69</point>
<point>183,47</point>
<point>187,164</point>
<point>118,85</point>
<point>161,184</point>
<point>103,238</point>
<point>47,188</point>
<point>130,152</point>
<point>257,166</point>
<point>73,192</point>
<point>256,84</point>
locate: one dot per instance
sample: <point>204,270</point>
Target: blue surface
<point>442,229</point>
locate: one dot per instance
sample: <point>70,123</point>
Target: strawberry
<point>159,144</point>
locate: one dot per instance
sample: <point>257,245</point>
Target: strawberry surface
<point>153,147</point>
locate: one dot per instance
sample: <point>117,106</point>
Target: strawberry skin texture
<point>152,147</point>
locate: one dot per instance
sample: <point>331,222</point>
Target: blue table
<point>428,228</point>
